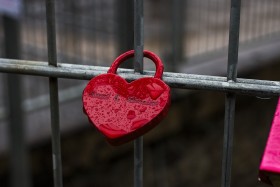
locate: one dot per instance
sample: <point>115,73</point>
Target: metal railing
<point>230,85</point>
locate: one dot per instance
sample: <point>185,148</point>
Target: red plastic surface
<point>270,164</point>
<point>123,111</point>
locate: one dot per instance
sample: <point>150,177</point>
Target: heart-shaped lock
<point>123,111</point>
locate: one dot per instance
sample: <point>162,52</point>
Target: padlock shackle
<point>129,54</point>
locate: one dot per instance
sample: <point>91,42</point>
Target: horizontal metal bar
<point>176,80</point>
<point>124,71</point>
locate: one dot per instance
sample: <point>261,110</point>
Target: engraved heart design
<point>123,111</point>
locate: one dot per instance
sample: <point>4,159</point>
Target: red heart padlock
<point>123,111</point>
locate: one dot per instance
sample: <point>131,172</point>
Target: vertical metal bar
<point>125,16</point>
<point>54,106</point>
<point>51,35</point>
<point>228,139</point>
<point>230,98</point>
<point>138,68</point>
<point>178,23</point>
<point>138,162</point>
<point>233,40</point>
<point>138,35</point>
<point>20,173</point>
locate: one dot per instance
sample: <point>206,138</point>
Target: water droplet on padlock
<point>155,90</point>
<point>143,109</point>
<point>131,115</point>
<point>161,102</point>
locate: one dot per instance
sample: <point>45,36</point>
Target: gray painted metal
<point>54,104</point>
<point>230,98</point>
<point>242,86</point>
<point>138,68</point>
<point>19,166</point>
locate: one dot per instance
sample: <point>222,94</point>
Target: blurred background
<point>190,36</point>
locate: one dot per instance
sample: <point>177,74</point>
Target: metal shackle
<point>147,54</point>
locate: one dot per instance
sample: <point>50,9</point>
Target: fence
<point>230,85</point>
